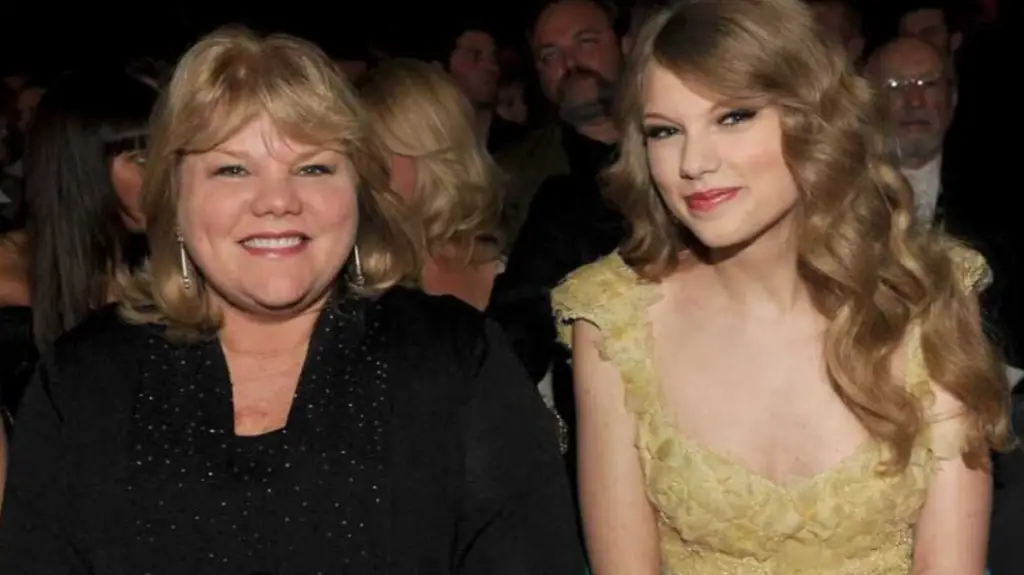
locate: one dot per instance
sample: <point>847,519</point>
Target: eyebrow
<point>657,116</point>
<point>243,155</point>
<point>575,36</point>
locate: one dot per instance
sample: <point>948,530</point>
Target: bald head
<point>904,56</point>
<point>919,95</point>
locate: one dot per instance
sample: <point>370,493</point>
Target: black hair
<point>619,19</point>
<point>76,234</point>
<point>953,12</point>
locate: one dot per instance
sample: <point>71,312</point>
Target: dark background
<point>41,35</point>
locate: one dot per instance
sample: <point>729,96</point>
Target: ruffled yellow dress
<point>717,517</point>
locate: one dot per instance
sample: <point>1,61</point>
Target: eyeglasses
<point>926,84</point>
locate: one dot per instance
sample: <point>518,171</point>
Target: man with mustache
<point>577,47</point>
<point>964,183</point>
<point>919,98</point>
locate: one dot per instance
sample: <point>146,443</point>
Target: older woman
<point>445,173</point>
<point>246,410</point>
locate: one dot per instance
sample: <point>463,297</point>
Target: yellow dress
<point>715,516</point>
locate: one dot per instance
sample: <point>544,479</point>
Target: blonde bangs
<point>223,83</point>
<point>278,77</point>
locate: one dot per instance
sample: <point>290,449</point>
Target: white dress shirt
<point>927,184</point>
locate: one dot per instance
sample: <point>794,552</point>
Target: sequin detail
<point>263,503</point>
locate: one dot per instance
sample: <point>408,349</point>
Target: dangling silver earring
<point>359,280</point>
<point>186,277</point>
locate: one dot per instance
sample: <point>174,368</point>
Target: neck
<point>244,333</point>
<point>762,277</point>
<point>601,131</point>
<point>482,123</point>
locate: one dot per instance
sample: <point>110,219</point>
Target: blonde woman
<point>443,171</point>
<point>250,407</point>
<point>778,372</point>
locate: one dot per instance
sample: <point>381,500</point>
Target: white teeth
<point>273,243</point>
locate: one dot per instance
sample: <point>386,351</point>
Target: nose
<point>572,59</point>
<point>277,197</point>
<point>914,97</point>
<point>700,157</point>
<point>489,63</point>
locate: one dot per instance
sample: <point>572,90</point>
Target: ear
<point>955,40</point>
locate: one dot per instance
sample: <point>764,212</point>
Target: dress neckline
<point>646,295</point>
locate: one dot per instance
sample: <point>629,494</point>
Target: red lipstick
<point>707,200</point>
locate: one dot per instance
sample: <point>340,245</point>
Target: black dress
<point>18,356</point>
<point>413,447</point>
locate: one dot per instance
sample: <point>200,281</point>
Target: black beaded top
<point>412,446</point>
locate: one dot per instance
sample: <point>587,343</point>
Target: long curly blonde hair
<point>873,274</point>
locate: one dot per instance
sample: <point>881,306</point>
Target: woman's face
<point>126,171</point>
<point>719,168</point>
<point>268,221</point>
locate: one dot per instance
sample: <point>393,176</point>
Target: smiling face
<point>719,168</point>
<point>268,221</point>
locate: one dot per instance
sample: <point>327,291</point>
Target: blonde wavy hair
<point>872,273</point>
<point>223,83</point>
<point>419,112</point>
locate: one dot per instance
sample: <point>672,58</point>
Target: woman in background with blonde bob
<point>777,372</point>
<point>250,407</point>
<point>444,172</point>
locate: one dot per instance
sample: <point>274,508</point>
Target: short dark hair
<point>952,12</point>
<point>441,40</point>
<point>618,18</point>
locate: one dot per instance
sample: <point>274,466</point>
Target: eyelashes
<point>736,117</point>
<point>239,170</point>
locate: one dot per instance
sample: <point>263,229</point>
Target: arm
<point>618,521</point>
<point>951,536</point>
<point>34,530</point>
<point>517,516</point>
<point>3,462</point>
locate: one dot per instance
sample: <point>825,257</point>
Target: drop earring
<point>359,280</point>
<point>186,277</point>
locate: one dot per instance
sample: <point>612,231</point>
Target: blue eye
<point>316,170</point>
<point>736,117</point>
<point>654,132</point>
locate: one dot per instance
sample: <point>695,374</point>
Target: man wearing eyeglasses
<point>918,94</point>
<point>959,187</point>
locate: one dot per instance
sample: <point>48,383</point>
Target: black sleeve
<point>35,530</point>
<point>517,516</point>
<point>541,256</point>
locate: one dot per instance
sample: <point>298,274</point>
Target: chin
<point>722,235</point>
<point>283,298</point>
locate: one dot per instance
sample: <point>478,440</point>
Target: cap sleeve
<point>944,432</point>
<point>971,269</point>
<point>590,294</point>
